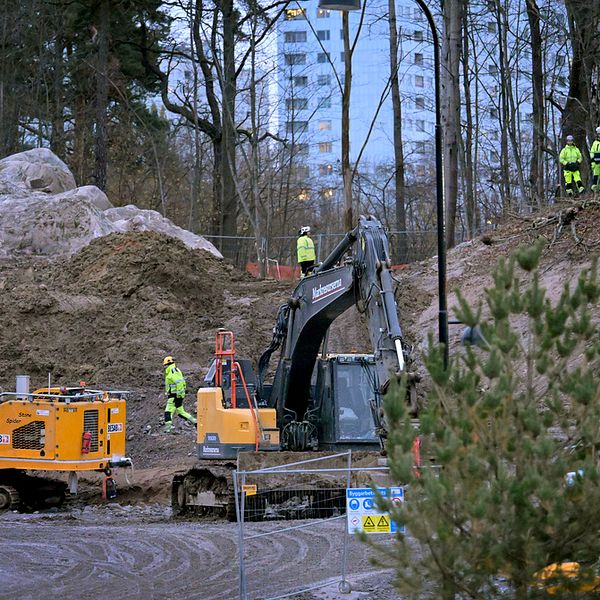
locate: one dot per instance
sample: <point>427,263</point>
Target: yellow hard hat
<point>169,360</point>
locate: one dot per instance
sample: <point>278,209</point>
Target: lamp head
<point>343,5</point>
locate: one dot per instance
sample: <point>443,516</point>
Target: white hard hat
<point>570,138</point>
<point>304,230</point>
<point>598,130</point>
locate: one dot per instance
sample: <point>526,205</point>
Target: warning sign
<point>249,490</point>
<point>368,524</point>
<point>363,514</point>
<point>383,524</point>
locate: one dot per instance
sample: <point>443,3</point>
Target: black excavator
<point>317,401</point>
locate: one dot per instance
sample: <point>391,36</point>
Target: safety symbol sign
<point>363,514</point>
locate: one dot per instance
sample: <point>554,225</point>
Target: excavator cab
<point>344,386</point>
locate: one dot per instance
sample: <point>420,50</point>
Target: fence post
<point>345,587</point>
<point>239,513</point>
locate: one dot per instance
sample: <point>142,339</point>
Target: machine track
<point>9,498</point>
<point>23,492</point>
<point>207,491</point>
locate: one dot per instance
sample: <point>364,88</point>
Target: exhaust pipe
<point>22,387</point>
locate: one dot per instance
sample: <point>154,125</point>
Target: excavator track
<point>207,491</point>
<point>204,491</point>
<point>24,492</point>
<point>9,498</point>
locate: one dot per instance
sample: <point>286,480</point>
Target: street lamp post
<point>345,6</point>
<point>439,186</point>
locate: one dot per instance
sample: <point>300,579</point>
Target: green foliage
<point>501,428</point>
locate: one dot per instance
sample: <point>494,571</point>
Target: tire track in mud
<point>165,560</point>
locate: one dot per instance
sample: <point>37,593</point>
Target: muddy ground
<point>118,551</point>
<point>111,313</point>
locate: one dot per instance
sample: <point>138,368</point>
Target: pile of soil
<point>109,315</point>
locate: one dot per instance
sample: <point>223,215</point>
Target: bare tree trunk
<point>509,108</point>
<point>399,193</point>
<point>467,144</point>
<point>57,137</point>
<point>451,115</point>
<point>584,19</point>
<point>229,200</point>
<point>536,172</point>
<point>100,134</point>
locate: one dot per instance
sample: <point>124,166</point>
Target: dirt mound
<point>572,236</point>
<point>109,314</point>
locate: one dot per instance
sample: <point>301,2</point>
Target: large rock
<point>43,213</point>
<point>132,218</point>
<point>38,169</point>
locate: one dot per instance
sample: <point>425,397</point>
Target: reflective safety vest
<point>570,154</point>
<point>174,381</point>
<point>306,249</point>
<point>595,152</point>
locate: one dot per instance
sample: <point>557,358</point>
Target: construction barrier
<point>281,515</point>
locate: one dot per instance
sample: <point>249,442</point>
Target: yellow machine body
<point>84,432</point>
<point>223,432</point>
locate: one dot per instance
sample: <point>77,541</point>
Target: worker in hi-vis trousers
<point>595,158</point>
<point>570,158</point>
<point>175,392</point>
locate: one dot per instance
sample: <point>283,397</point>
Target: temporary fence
<point>405,247</point>
<point>293,528</point>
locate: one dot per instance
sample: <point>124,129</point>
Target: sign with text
<point>362,513</point>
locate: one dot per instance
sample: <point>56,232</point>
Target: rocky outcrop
<point>42,212</point>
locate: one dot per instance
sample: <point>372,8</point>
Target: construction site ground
<point>111,312</point>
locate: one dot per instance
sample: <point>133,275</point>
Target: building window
<point>324,126</point>
<point>420,147</point>
<point>323,13</point>
<point>492,69</point>
<point>420,125</point>
<point>418,14</point>
<point>420,171</point>
<point>296,103</point>
<point>491,5</point>
<point>301,171</point>
<point>323,35</point>
<point>342,56</point>
<point>325,170</point>
<point>326,193</point>
<point>300,149</point>
<point>493,113</point>
<point>418,35</point>
<point>295,13</point>
<point>341,34</point>
<point>491,27</point>
<point>419,81</point>
<point>296,126</point>
<point>420,102</point>
<point>560,60</point>
<point>324,102</point>
<point>323,57</point>
<point>295,36</point>
<point>323,79</point>
<point>295,59</point>
<point>325,147</point>
<point>418,59</point>
<point>187,74</point>
<point>299,81</point>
